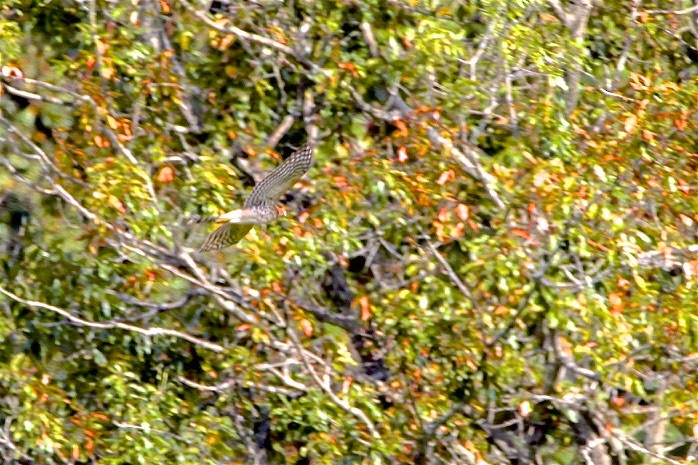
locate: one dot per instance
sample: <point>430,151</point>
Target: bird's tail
<point>196,219</point>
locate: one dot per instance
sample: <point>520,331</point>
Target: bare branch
<point>242,35</point>
<point>149,332</point>
<point>470,164</point>
<point>685,11</point>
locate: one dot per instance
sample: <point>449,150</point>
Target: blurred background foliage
<point>493,259</point>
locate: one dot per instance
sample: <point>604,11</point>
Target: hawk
<point>260,206</point>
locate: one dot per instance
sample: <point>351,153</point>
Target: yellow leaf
<point>111,122</point>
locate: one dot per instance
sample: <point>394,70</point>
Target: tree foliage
<point>494,258</point>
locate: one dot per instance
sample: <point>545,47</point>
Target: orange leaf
<point>439,230</point>
<point>107,71</point>
<point>617,304</point>
<point>630,124</point>
<point>462,211</point>
<point>548,18</point>
<point>402,154</point>
<point>647,135</point>
<point>101,142</point>
<point>306,327</point>
<point>166,174</point>
<point>521,233</point>
<point>165,7</point>
<point>303,217</point>
<point>117,204</point>
<point>346,384</point>
<point>640,79</point>
<point>445,177</point>
<point>365,308</point>
<point>101,46</point>
<point>222,21</point>
<point>684,186</point>
<point>680,123</point>
<point>341,182</point>
<point>225,42</point>
<point>597,245</point>
<point>442,215</point>
<point>686,220</point>
<point>349,67</point>
<point>501,310</point>
<point>402,128</point>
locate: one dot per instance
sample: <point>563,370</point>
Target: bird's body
<point>260,206</point>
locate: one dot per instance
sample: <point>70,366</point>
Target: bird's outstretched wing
<point>279,181</point>
<point>237,224</point>
<point>259,206</point>
<point>226,235</point>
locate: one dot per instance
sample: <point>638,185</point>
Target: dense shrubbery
<point>492,260</point>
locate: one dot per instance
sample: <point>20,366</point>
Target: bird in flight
<point>260,206</point>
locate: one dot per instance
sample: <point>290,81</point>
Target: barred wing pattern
<point>260,206</point>
<point>279,181</point>
<point>226,235</point>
